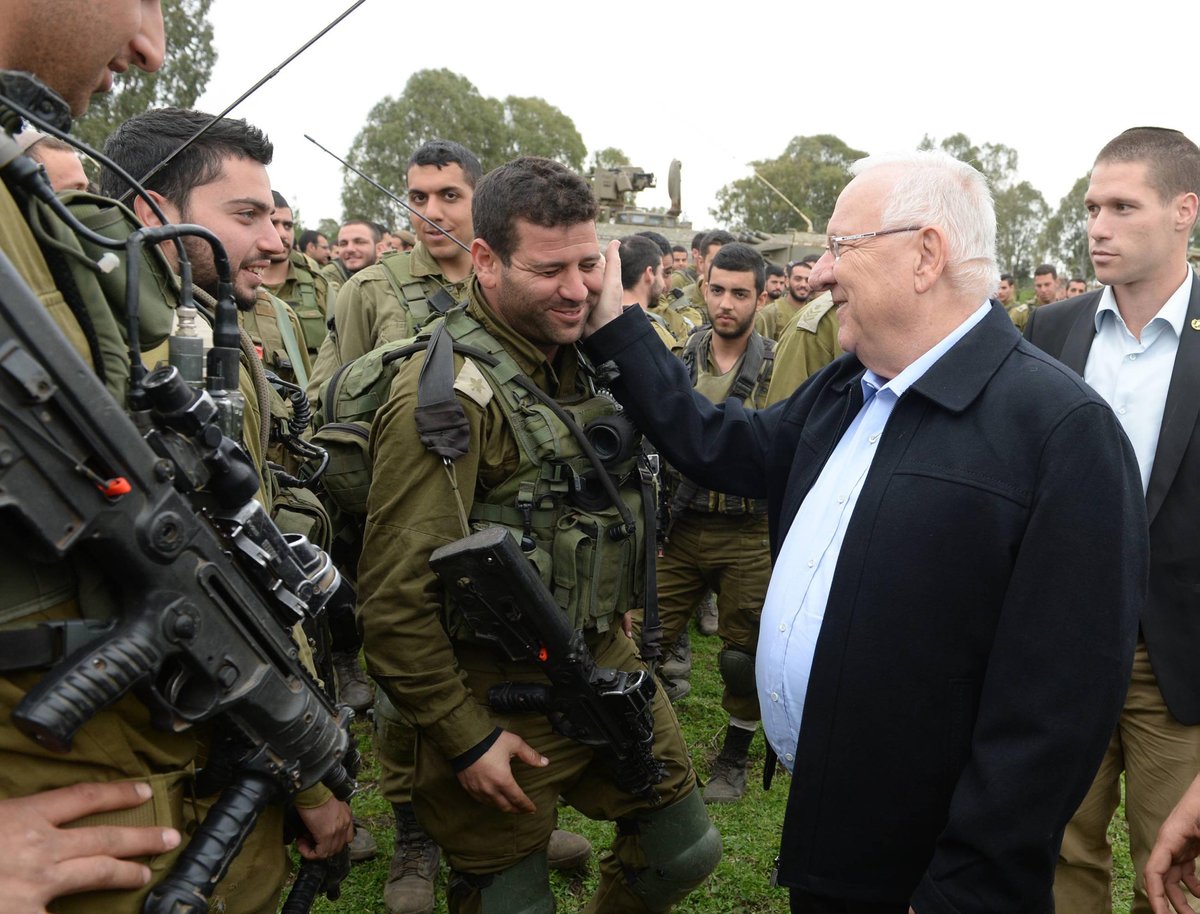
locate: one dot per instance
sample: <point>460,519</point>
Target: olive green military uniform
<point>437,676</point>
<point>719,542</point>
<point>660,324</point>
<point>680,324</point>
<point>306,292</point>
<point>389,300</point>
<point>693,299</point>
<point>1019,314</point>
<point>806,345</point>
<point>334,273</point>
<point>380,303</point>
<point>775,315</point>
<point>384,302</point>
<point>278,336</point>
<point>118,743</point>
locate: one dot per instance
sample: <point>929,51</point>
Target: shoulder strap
<point>441,420</point>
<point>415,293</point>
<point>691,354</point>
<point>752,361</point>
<point>284,320</point>
<point>810,316</point>
<point>764,373</point>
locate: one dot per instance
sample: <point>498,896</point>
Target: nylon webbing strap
<point>290,343</point>
<point>743,384</point>
<point>651,624</point>
<point>441,419</point>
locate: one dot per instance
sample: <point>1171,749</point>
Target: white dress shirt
<point>1133,375</point>
<point>794,608</point>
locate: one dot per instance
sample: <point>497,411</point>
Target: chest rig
<point>749,387</point>
<point>576,503</point>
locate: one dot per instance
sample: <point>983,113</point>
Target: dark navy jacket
<point>979,634</point>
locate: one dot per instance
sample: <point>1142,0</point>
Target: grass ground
<point>749,829</point>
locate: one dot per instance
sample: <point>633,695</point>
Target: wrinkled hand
<point>608,307</point>
<point>330,828</point>
<point>39,861</point>
<point>489,779</point>
<point>1173,859</point>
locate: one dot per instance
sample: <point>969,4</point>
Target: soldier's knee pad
<point>523,888</point>
<point>737,671</point>
<point>681,847</point>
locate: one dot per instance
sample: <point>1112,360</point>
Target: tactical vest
<point>553,504</point>
<point>270,326</point>
<point>422,297</point>
<point>749,387</point>
<point>305,301</point>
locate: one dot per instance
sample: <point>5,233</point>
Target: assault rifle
<point>504,601</point>
<point>209,588</point>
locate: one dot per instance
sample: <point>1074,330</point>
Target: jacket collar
<point>959,376</point>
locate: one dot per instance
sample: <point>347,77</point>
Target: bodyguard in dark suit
<point>1137,342</point>
<point>960,555</point>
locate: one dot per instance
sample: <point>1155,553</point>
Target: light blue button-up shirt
<point>803,575</point>
<point>1133,375</point>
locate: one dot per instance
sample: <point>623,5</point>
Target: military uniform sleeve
<point>700,439</point>
<point>411,510</point>
<point>324,365</point>
<point>800,354</point>
<point>368,314</point>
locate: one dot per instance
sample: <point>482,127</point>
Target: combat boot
<point>353,686</point>
<point>363,846</point>
<point>706,615</point>
<point>674,689</point>
<point>567,850</point>
<point>727,782</point>
<point>677,660</point>
<point>411,877</point>
<point>676,667</point>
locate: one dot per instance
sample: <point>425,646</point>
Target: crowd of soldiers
<point>437,372</point>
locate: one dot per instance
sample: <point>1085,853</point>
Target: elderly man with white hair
<point>959,545</point>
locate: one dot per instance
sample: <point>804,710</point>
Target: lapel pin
<point>1196,323</point>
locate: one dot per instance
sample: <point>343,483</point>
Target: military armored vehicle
<point>616,190</point>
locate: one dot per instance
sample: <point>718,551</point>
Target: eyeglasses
<point>836,242</point>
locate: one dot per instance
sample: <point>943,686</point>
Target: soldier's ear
<point>487,264</point>
<point>146,215</point>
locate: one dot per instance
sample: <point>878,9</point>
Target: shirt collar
<point>873,383</point>
<point>1173,311</point>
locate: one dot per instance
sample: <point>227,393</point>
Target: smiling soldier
<point>537,271</point>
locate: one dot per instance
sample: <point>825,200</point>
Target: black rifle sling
<point>441,419</point>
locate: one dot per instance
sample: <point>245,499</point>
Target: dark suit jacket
<point>1171,617</point>
<point>979,632</point>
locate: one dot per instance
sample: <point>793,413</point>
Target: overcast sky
<point>1054,80</point>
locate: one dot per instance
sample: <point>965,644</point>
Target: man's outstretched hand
<point>608,307</point>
